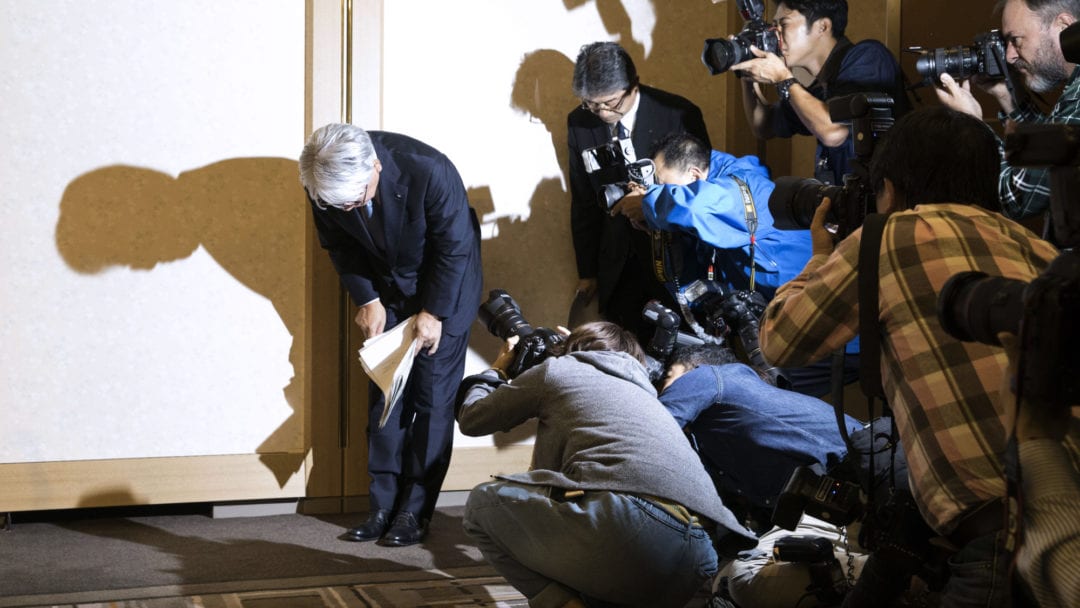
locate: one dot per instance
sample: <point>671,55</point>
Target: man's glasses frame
<point>596,106</point>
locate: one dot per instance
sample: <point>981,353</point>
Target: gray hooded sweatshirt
<point>601,427</point>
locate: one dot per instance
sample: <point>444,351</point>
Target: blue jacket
<point>750,434</point>
<point>712,214</point>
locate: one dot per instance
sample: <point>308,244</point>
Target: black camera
<point>986,57</point>
<point>667,335</point>
<point>502,317</point>
<point>827,581</point>
<point>724,314</point>
<point>973,306</point>
<point>794,200</point>
<point>611,170</point>
<point>809,490</point>
<point>720,53</point>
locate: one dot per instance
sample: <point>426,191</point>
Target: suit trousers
<point>408,457</point>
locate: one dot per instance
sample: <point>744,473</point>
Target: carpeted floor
<point>177,557</point>
<point>402,590</point>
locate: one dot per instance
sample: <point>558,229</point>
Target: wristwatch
<point>783,88</point>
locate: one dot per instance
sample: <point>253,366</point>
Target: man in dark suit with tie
<point>392,212</point>
<point>614,261</point>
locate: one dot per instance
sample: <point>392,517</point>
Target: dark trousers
<point>408,458</point>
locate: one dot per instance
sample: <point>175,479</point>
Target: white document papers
<point>387,358</point>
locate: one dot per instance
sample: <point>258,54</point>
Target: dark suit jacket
<point>601,242</point>
<point>432,256</point>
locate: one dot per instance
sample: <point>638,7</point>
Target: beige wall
<point>169,318</point>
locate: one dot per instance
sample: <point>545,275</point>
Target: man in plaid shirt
<point>1031,31</point>
<point>934,174</point>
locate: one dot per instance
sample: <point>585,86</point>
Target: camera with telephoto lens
<point>725,314</point>
<point>502,317</point>
<point>986,57</point>
<point>721,53</point>
<point>794,200</point>
<point>975,307</point>
<point>827,582</point>
<point>611,171</point>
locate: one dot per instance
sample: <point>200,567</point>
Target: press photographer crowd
<point>693,445</point>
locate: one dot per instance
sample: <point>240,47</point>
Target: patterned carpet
<point>475,592</point>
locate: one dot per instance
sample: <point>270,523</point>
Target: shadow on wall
<point>533,259</point>
<point>247,213</point>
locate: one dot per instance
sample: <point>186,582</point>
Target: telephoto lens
<point>976,307</point>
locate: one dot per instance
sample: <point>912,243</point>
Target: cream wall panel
<point>152,243</point>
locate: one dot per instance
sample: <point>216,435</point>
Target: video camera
<point>795,199</point>
<point>611,170</point>
<point>502,317</point>
<point>986,57</point>
<point>973,306</point>
<point>721,53</point>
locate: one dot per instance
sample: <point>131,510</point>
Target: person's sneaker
<point>373,528</point>
<point>405,530</point>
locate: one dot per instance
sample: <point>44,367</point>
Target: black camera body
<point>667,336</point>
<point>611,171</point>
<point>986,57</point>
<point>794,200</point>
<point>720,53</point>
<point>727,314</point>
<point>810,490</point>
<point>502,317</point>
<point>827,581</point>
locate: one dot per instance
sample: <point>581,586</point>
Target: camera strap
<point>869,326</point>
<point>750,210</point>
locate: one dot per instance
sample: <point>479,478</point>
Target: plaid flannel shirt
<point>1024,191</point>
<point>943,392</point>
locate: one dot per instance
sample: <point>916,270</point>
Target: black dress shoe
<point>371,529</point>
<point>405,530</point>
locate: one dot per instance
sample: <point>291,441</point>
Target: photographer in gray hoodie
<point>617,507</point>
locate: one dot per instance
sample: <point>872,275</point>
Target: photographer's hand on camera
<point>766,68</point>
<point>823,241</point>
<point>506,357</point>
<point>958,96</point>
<point>371,319</point>
<point>631,206</point>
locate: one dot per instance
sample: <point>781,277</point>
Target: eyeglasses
<point>609,105</point>
<point>359,203</point>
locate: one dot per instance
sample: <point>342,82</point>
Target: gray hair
<point>601,68</point>
<point>336,164</point>
<point>1047,9</point>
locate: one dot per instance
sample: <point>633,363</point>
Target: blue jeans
<point>979,575</point>
<point>604,547</point>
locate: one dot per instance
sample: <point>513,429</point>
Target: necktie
<point>373,222</point>
<point>623,135</point>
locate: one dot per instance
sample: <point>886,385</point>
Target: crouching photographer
<point>935,176</point>
<point>616,507</point>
